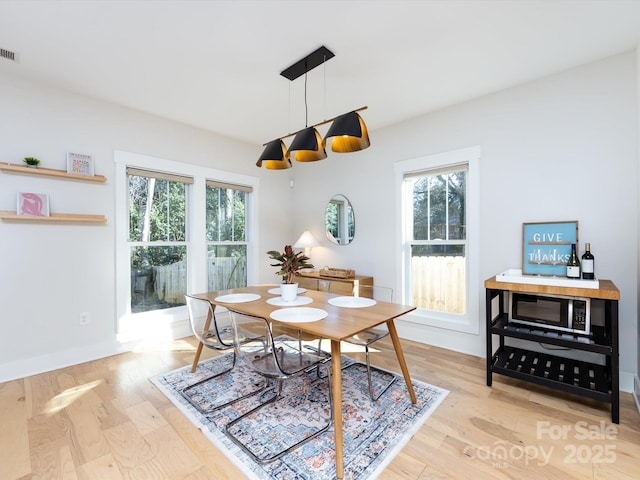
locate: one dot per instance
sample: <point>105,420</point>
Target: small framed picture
<point>79,163</point>
<point>546,247</point>
<point>35,204</point>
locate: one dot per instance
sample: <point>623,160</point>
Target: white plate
<point>237,298</point>
<point>278,302</point>
<point>298,314</point>
<point>276,291</point>
<point>352,302</point>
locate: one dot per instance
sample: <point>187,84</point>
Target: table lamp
<point>306,241</point>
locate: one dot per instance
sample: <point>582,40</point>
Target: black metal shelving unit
<point>581,377</point>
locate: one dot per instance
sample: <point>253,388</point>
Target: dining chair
<point>215,331</point>
<point>277,358</point>
<point>372,335</point>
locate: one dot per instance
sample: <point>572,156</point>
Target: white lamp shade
<point>306,240</point>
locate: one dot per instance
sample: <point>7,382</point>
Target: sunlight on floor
<point>67,397</point>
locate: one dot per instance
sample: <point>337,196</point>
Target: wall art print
<point>35,204</point>
<point>546,247</point>
<point>79,164</point>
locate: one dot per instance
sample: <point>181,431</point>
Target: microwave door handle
<point>570,314</point>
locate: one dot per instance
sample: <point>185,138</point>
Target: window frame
<point>162,176</point>
<point>248,208</point>
<point>469,322</point>
<point>131,326</point>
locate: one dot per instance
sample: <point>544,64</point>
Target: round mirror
<point>339,220</point>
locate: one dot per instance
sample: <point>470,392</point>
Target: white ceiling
<point>216,64</point>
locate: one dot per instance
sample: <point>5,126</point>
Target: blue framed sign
<point>546,247</point>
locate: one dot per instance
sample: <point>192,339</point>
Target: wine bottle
<point>573,265</point>
<point>588,263</point>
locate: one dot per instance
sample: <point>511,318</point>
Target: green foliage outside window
<point>438,207</point>
<point>157,213</point>
<point>226,212</point>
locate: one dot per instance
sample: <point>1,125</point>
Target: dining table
<point>345,317</point>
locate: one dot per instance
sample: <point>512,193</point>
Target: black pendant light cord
<point>306,108</point>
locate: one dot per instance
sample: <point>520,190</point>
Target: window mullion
<point>428,209</point>
<point>446,208</point>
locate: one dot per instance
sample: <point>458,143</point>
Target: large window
<point>227,207</point>
<point>157,239</point>
<point>180,229</point>
<point>438,231</point>
<point>437,240</point>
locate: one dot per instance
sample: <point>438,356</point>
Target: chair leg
<point>276,456</point>
<point>374,397</point>
<point>319,350</point>
<point>185,391</point>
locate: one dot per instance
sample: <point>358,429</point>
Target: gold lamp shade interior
<point>349,133</point>
<point>308,146</point>
<point>275,156</point>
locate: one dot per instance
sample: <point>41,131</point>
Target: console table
<point>342,286</point>
<point>592,380</point>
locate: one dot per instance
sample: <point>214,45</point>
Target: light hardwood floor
<point>105,420</point>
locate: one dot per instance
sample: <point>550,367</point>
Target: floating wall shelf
<point>51,172</point>
<point>54,217</point>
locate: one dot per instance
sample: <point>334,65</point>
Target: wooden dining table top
<point>339,324</point>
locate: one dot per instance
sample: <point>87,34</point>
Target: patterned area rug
<point>373,431</point>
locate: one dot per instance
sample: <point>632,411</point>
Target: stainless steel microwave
<point>559,312</point>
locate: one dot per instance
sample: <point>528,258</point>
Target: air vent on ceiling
<point>8,54</point>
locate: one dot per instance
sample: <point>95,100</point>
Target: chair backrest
<point>213,330</point>
<point>272,356</point>
<point>382,294</point>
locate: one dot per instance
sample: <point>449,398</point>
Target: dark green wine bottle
<point>588,263</point>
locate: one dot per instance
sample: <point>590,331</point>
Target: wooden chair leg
<point>196,359</point>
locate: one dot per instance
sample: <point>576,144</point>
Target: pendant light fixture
<point>308,146</point>
<point>348,133</point>
<point>275,156</point>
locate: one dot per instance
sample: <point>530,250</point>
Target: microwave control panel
<point>579,315</point>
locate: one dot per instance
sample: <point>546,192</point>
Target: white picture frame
<point>33,204</point>
<point>80,164</point>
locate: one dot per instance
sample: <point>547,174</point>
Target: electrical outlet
<point>85,318</point>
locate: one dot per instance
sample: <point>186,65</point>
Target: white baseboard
<point>626,382</point>
<point>468,343</point>
<point>26,367</point>
<point>636,392</point>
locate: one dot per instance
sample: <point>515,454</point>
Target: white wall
<point>51,273</point>
<point>560,148</point>
<point>636,382</point>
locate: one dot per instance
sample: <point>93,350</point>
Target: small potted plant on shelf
<point>290,264</point>
<point>31,162</point>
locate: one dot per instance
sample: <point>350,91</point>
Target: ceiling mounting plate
<point>307,63</point>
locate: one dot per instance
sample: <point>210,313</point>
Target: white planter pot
<point>288,291</point>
